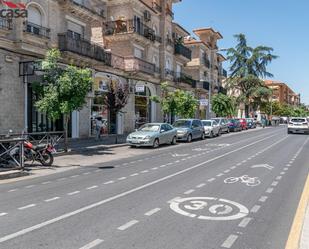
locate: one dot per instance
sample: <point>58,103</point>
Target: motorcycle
<point>42,153</point>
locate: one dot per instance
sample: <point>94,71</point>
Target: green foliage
<point>276,109</point>
<point>178,102</point>
<point>223,105</point>
<point>63,90</point>
<point>248,65</point>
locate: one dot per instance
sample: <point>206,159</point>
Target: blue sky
<point>282,25</point>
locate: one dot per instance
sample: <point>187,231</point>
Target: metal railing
<point>130,26</point>
<point>12,153</point>
<point>37,30</point>
<point>169,72</point>
<point>184,78</point>
<point>5,23</point>
<point>85,7</point>
<point>182,50</point>
<point>142,66</point>
<point>83,47</point>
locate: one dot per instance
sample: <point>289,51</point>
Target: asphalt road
<point>190,196</point>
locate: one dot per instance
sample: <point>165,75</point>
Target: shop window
<point>142,107</point>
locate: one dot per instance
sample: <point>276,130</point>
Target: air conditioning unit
<point>147,16</point>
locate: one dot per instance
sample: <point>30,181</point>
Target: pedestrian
<point>98,125</point>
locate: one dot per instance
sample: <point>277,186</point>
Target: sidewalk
<point>304,242</point>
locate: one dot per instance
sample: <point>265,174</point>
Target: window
<point>34,16</point>
<point>75,30</point>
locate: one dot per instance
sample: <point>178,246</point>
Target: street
<point>240,190</point>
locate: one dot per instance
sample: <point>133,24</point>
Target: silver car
<point>211,128</point>
<point>153,134</point>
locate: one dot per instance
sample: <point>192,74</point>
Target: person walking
<point>98,126</point>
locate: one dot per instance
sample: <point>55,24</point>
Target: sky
<point>280,24</point>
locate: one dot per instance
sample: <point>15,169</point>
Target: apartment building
<point>283,93</point>
<point>206,67</point>
<point>126,42</point>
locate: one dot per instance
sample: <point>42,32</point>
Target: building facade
<point>282,93</point>
<point>124,42</point>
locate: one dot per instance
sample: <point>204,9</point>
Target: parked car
<point>251,123</point>
<point>234,125</point>
<point>223,122</point>
<point>189,129</point>
<point>153,134</point>
<point>243,123</point>
<point>211,128</point>
<point>298,125</point>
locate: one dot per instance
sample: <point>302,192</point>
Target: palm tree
<point>248,66</point>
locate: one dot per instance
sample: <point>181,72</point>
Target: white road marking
<point>162,166</point>
<point>286,169</point>
<point>153,211</point>
<point>30,186</point>
<point>220,174</point>
<point>169,164</point>
<point>244,222</point>
<point>92,244</point>
<point>263,198</point>
<point>28,206</point>
<point>201,185</point>
<point>86,173</point>
<point>46,182</point>
<point>122,178</point>
<point>52,199</point>
<point>61,179</point>
<point>92,187</point>
<point>226,171</point>
<point>98,170</point>
<point>13,190</point>
<point>135,174</point>
<point>269,190</point>
<point>238,164</point>
<point>255,209</point>
<point>229,241</point>
<point>2,214</point>
<point>99,203</point>
<point>189,191</point>
<point>174,199</point>
<point>145,171</point>
<point>154,168</point>
<point>278,177</point>
<point>275,183</point>
<point>211,179</point>
<point>73,193</point>
<point>233,167</point>
<point>244,161</point>
<point>109,182</point>
<point>282,173</point>
<point>124,164</point>
<point>127,225</point>
<point>74,176</point>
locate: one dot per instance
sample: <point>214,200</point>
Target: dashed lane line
<point>73,193</point>
<point>109,182</point>
<point>274,183</point>
<point>278,177</point>
<point>46,182</point>
<point>211,179</point>
<point>128,225</point>
<point>92,244</point>
<point>52,199</point>
<point>269,190</point>
<point>122,178</point>
<point>190,191</point>
<point>201,185</point>
<point>255,209</point>
<point>28,206</point>
<point>153,211</point>
<point>228,243</point>
<point>92,187</point>
<point>3,214</point>
<point>135,174</point>
<point>244,222</point>
<point>13,190</point>
<point>30,186</point>
<point>263,198</point>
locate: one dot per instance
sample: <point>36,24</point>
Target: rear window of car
<point>182,123</point>
<point>206,123</point>
<point>298,120</point>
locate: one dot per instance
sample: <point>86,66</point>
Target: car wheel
<point>203,136</point>
<point>132,146</point>
<point>174,141</point>
<point>189,138</point>
<point>219,133</point>
<point>211,134</point>
<point>156,143</point>
<point>228,130</point>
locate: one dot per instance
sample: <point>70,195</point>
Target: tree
<point>178,102</point>
<point>223,105</point>
<point>248,65</point>
<point>115,99</point>
<point>63,89</point>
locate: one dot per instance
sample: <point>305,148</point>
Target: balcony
<point>83,10</point>
<point>169,73</point>
<point>130,26</point>
<point>157,7</point>
<point>5,24</point>
<point>182,50</point>
<point>84,48</point>
<point>133,64</point>
<point>184,78</point>
<point>203,85</point>
<point>37,30</point>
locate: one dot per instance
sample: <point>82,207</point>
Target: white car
<point>211,128</point>
<point>298,125</point>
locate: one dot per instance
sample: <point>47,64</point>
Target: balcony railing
<point>182,50</point>
<point>5,23</point>
<point>84,6</point>
<point>184,78</point>
<point>169,72</point>
<point>139,65</point>
<point>37,30</point>
<point>83,47</point>
<point>156,7</point>
<point>130,26</point>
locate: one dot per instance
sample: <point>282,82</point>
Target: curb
<point>13,174</point>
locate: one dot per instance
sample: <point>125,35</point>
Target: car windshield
<point>182,123</point>
<point>217,120</point>
<point>206,123</point>
<point>298,120</point>
<point>149,127</point>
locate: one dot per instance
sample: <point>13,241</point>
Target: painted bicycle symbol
<point>249,181</point>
